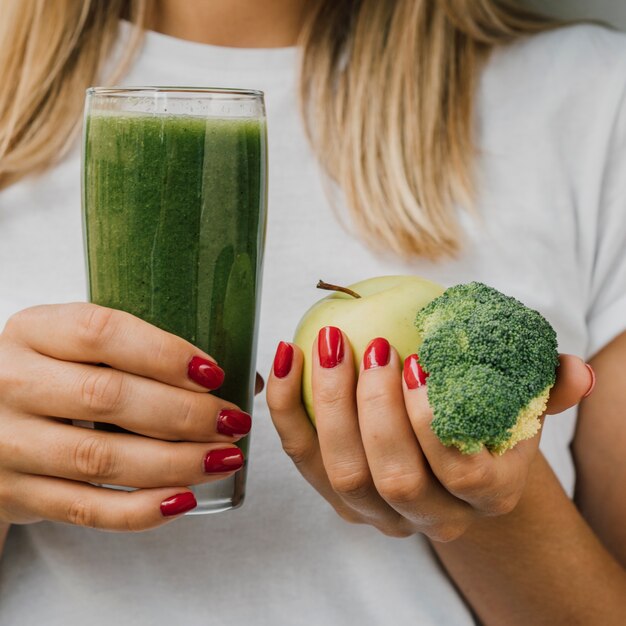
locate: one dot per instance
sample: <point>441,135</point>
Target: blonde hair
<point>50,52</point>
<point>387,92</point>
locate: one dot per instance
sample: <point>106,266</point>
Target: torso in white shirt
<point>553,232</point>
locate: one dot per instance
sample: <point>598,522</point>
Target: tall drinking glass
<point>174,205</point>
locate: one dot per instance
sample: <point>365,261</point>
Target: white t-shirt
<point>552,139</point>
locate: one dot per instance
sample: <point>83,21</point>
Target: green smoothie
<point>174,226</point>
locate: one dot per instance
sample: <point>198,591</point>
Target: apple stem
<point>322,285</point>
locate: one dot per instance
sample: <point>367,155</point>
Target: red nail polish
<point>180,503</point>
<point>330,347</point>
<point>592,385</point>
<point>283,359</point>
<point>414,375</point>
<point>233,422</point>
<point>205,372</point>
<point>224,460</point>
<point>376,354</point>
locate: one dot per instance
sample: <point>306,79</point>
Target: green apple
<point>387,307</point>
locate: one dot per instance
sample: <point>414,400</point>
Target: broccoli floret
<point>491,363</point>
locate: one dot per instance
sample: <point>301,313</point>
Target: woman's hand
<point>374,456</point>
<point>155,385</point>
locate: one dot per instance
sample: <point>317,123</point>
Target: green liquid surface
<point>174,224</point>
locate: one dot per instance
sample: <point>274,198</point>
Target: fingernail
<point>414,375</point>
<point>376,354</point>
<point>593,381</point>
<point>330,347</point>
<point>283,359</point>
<point>233,422</point>
<point>180,503</point>
<point>205,372</point>
<point>224,460</point>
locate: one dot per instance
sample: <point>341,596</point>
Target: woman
<point>420,111</point>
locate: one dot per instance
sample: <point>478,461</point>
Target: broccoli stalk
<point>491,363</point>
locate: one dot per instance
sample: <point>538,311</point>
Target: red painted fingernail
<point>180,503</point>
<point>376,354</point>
<point>205,372</point>
<point>414,375</point>
<point>283,359</point>
<point>330,346</point>
<point>233,422</point>
<point>592,385</point>
<point>224,460</point>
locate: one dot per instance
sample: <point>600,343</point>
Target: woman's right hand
<point>155,385</point>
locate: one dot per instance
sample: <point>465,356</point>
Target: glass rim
<point>200,91</point>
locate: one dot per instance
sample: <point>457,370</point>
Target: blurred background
<point>611,11</point>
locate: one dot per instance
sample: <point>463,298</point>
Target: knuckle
<point>161,349</point>
<point>469,481</point>
<point>349,516</point>
<point>95,325</point>
<point>101,391</point>
<point>16,321</point>
<point>299,452</point>
<point>354,485</point>
<point>280,400</point>
<point>375,396</point>
<point>131,523</point>
<point>333,398</point>
<point>189,424</point>
<point>94,458</point>
<point>397,531</point>
<point>6,494</point>
<point>13,382</point>
<point>445,532</point>
<point>401,488</point>
<point>11,445</point>
<point>177,471</point>
<point>81,513</point>
<point>502,505</point>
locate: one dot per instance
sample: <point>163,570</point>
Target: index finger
<point>88,333</point>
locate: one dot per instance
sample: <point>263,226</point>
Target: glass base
<point>222,495</point>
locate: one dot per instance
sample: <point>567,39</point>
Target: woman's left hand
<point>374,457</point>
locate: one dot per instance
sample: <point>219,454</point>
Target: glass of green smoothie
<point>174,209</point>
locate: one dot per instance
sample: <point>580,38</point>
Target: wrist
<point>538,564</point>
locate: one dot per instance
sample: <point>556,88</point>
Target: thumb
<point>575,380</point>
